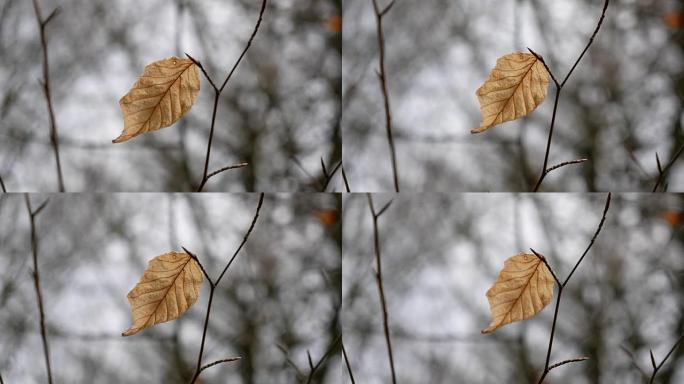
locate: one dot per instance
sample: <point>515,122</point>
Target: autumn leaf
<point>674,20</point>
<point>170,285</point>
<point>524,287</point>
<point>673,218</point>
<point>166,90</point>
<point>328,217</point>
<point>517,85</point>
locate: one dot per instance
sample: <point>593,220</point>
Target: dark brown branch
<point>217,93</point>
<point>1,381</point>
<point>313,368</point>
<point>346,182</point>
<point>382,75</point>
<point>548,367</point>
<point>54,137</point>
<point>576,360</point>
<point>662,172</point>
<point>194,257</point>
<point>543,259</point>
<point>4,190</point>
<point>381,288</point>
<point>217,362</point>
<point>346,362</point>
<point>199,368</point>
<point>656,368</point>
<point>329,176</point>
<point>36,280</point>
<point>559,87</point>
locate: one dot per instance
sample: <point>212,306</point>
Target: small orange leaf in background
<point>524,287</point>
<point>516,86</point>
<point>170,285</point>
<point>674,20</point>
<point>334,24</point>
<point>166,90</point>
<point>327,217</point>
<point>673,218</point>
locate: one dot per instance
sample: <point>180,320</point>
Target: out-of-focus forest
<point>622,105</point>
<point>442,252</point>
<point>280,111</point>
<point>278,300</point>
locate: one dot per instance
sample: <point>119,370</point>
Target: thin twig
<point>54,137</point>
<point>217,93</point>
<point>663,171</point>
<point>346,182</point>
<point>381,288</point>
<point>192,255</point>
<point>382,76</point>
<point>561,286</point>
<point>329,176</point>
<point>4,190</point>
<point>217,362</point>
<point>213,287</point>
<point>313,368</point>
<point>559,87</point>
<point>36,280</point>
<point>346,362</point>
<point>656,368</point>
<point>575,360</point>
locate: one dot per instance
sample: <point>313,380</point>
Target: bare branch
<point>54,136</point>
<point>36,281</point>
<point>200,265</point>
<point>346,182</point>
<point>217,362</point>
<point>575,360</point>
<point>559,87</point>
<point>346,362</point>
<point>382,76</point>
<point>217,94</point>
<point>663,172</point>
<point>199,367</point>
<point>662,362</point>
<point>381,289</point>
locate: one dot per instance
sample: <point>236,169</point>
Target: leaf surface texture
<point>166,90</point>
<point>516,86</point>
<point>170,285</point>
<point>524,287</point>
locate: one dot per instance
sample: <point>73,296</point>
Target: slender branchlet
<point>213,284</point>
<point>36,281</point>
<point>4,190</point>
<point>561,285</point>
<point>346,362</point>
<point>328,176</point>
<point>45,82</point>
<point>344,178</point>
<point>656,367</point>
<point>378,276</point>
<point>382,76</point>
<point>559,87</point>
<point>662,172</point>
<point>217,94</point>
<point>313,368</point>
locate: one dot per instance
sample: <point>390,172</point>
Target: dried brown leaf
<point>517,85</point>
<point>524,287</point>
<point>166,90</point>
<point>170,285</point>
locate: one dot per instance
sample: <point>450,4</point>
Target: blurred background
<point>441,253</point>
<point>280,111</point>
<point>622,105</point>
<point>278,301</point>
